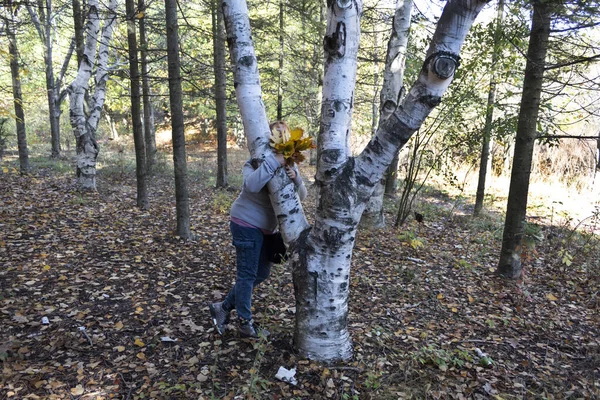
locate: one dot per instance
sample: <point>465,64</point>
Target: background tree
<point>136,118</point>
<point>84,126</point>
<point>177,127</point>
<point>149,128</point>
<point>220,94</point>
<point>391,92</point>
<point>10,27</point>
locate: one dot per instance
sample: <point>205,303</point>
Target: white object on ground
<point>287,375</point>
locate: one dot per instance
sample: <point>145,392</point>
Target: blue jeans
<point>253,267</point>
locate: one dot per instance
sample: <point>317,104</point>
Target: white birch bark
<point>256,125</point>
<point>393,82</point>
<point>85,128</point>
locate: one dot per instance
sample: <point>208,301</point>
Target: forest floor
<point>127,316</point>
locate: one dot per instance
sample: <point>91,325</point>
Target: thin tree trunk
<point>280,72</point>
<point>149,129</point>
<point>136,118</point>
<point>178,136</point>
<point>78,21</point>
<point>84,127</point>
<point>489,116</point>
<point>17,95</point>
<point>391,93</point>
<point>220,94</point>
<point>509,264</point>
<point>42,21</point>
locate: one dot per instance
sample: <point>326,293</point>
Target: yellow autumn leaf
<point>140,15</point>
<point>440,296</point>
<point>138,342</point>
<point>120,349</point>
<point>296,134</point>
<point>454,309</point>
<point>551,297</point>
<point>471,299</point>
<point>119,326</point>
<point>141,356</point>
<point>46,268</point>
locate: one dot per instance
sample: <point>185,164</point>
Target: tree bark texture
<point>391,93</point>
<point>256,125</point>
<point>136,114</point>
<point>177,127</point>
<point>509,264</point>
<point>220,94</point>
<point>489,116</point>
<point>13,51</point>
<point>149,129</point>
<point>84,128</point>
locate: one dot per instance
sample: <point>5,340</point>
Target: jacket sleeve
<point>256,179</point>
<point>299,183</point>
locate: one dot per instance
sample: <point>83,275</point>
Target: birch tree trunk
<point>489,116</point>
<point>220,94</point>
<point>149,129</point>
<point>321,256</point>
<point>178,135</point>
<point>13,52</point>
<point>254,118</point>
<point>78,21</point>
<point>84,127</point>
<point>509,264</point>
<point>136,117</point>
<point>393,82</point>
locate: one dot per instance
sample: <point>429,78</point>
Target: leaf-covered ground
<point>127,317</point>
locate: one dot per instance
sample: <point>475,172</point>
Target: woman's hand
<point>280,159</point>
<point>290,172</point>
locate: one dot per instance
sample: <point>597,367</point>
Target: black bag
<point>275,248</point>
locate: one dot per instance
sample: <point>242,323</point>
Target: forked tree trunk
<point>509,264</point>
<point>178,135</point>
<point>321,256</point>
<point>391,92</point>
<point>136,115</point>
<point>13,52</point>
<point>489,116</point>
<point>84,127</point>
<point>220,94</point>
<point>149,129</point>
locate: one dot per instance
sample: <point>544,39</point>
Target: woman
<point>253,225</point>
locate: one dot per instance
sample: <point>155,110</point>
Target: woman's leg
<point>248,244</point>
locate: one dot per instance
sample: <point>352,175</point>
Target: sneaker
<point>250,329</point>
<point>220,317</point>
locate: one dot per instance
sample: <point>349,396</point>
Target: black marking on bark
<point>364,181</point>
<point>343,286</point>
<point>331,156</point>
<point>443,63</point>
<point>280,216</point>
<point>332,308</point>
<point>292,221</point>
<point>235,84</point>
<point>335,44</point>
<point>348,256</point>
<point>340,269</point>
<point>431,101</point>
<point>332,237</point>
<point>286,196</point>
<point>331,300</point>
<point>338,105</point>
<point>295,210</point>
<point>315,277</point>
<point>246,61</point>
<point>376,147</point>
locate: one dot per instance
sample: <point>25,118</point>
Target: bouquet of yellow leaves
<point>289,143</point>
